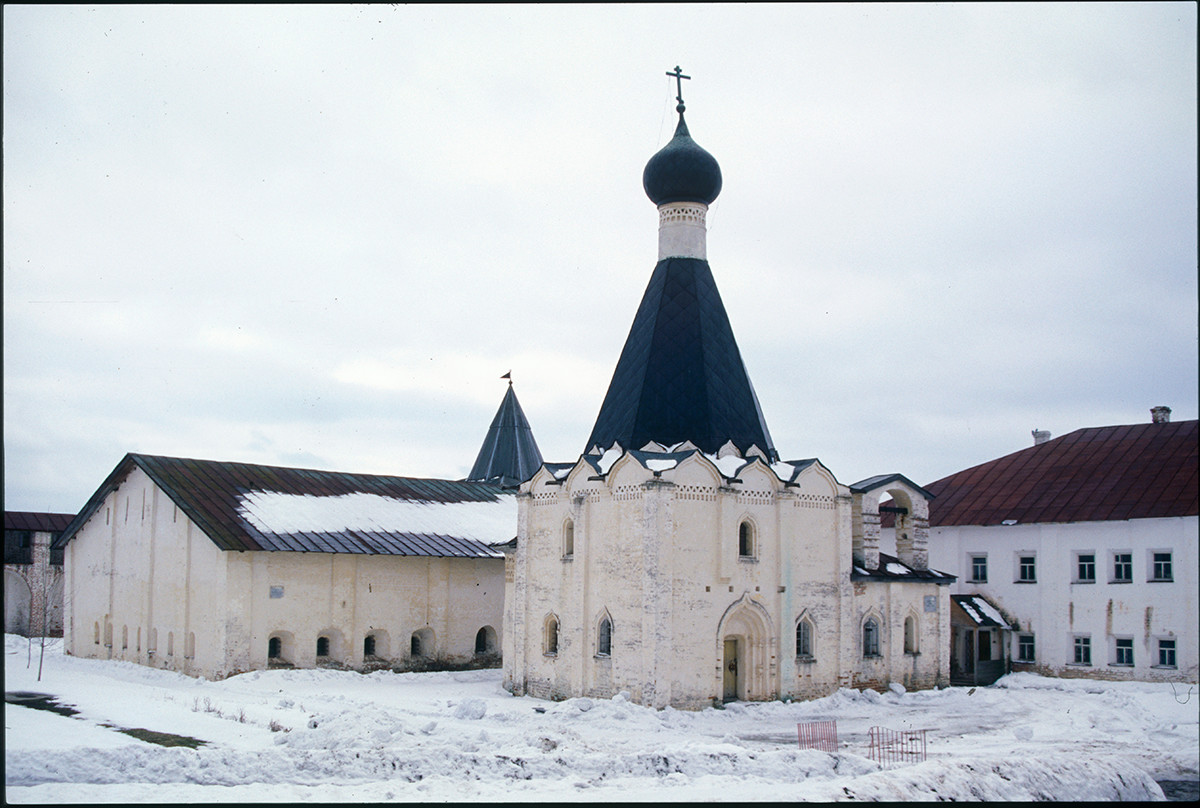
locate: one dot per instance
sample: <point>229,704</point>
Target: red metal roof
<point>220,498</point>
<point>41,522</point>
<point>1098,474</point>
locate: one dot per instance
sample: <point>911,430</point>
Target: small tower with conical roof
<point>509,454</point>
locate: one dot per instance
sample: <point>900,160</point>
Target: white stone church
<point>679,558</point>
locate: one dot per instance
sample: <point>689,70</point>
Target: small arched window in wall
<point>421,645</point>
<point>910,635</point>
<point>746,539</point>
<point>170,640</point>
<point>124,638</point>
<point>139,639</point>
<point>369,645</point>
<point>485,641</point>
<point>152,643</point>
<point>322,646</point>
<point>551,639</point>
<point>568,539</point>
<point>804,638</point>
<point>96,633</point>
<point>107,634</point>
<point>870,638</point>
<point>274,648</point>
<point>604,637</point>
<point>189,645</point>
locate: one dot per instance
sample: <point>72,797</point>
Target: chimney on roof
<point>1160,415</point>
<point>1040,436</point>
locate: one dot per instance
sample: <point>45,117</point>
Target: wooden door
<point>730,671</point>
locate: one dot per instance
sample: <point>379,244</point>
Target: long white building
<point>1087,544</point>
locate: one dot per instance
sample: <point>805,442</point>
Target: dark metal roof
<point>1097,474</point>
<point>880,480</point>
<point>241,506</point>
<point>893,569</point>
<point>680,376</point>
<point>509,455</point>
<point>978,611</point>
<point>39,522</point>
<point>682,171</point>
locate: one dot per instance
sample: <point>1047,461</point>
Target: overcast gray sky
<point>317,236</point>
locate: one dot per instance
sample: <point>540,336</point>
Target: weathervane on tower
<point>678,74</point>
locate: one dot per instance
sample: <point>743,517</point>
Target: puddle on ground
<point>38,701</point>
<point>44,701</point>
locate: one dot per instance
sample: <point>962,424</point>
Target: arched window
<point>746,539</point>
<point>368,645</point>
<point>870,638</point>
<point>152,643</point>
<point>421,644</point>
<point>910,635</point>
<point>604,637</point>
<point>274,648</point>
<point>139,639</point>
<point>96,633</point>
<point>124,637</point>
<point>189,645</point>
<point>107,634</point>
<point>485,641</point>
<point>170,643</point>
<point>322,646</point>
<point>569,539</point>
<point>804,638</point>
<point>551,643</point>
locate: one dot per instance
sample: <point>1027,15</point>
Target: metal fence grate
<point>889,747</point>
<point>821,735</point>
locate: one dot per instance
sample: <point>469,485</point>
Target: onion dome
<point>682,171</point>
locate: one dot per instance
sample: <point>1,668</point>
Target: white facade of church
<point>685,585</point>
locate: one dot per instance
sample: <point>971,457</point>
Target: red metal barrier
<point>820,735</point>
<point>889,746</point>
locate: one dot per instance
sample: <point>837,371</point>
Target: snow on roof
<point>727,465</point>
<point>980,610</point>
<point>784,471</point>
<point>656,464</point>
<point>989,611</point>
<point>609,457</point>
<point>898,569</point>
<point>278,513</point>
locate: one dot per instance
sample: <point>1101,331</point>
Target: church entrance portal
<point>730,677</point>
<point>744,650</point>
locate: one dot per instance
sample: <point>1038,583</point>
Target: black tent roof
<point>680,376</point>
<point>509,454</point>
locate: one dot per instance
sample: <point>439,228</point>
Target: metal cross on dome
<point>678,74</point>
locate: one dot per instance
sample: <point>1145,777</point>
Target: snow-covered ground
<point>330,736</point>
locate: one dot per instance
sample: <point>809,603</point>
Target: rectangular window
<point>1166,653</point>
<point>1085,568</point>
<point>1124,651</point>
<point>979,569</point>
<point>1162,567</point>
<point>1025,648</point>
<point>1083,650</point>
<point>1027,569</point>
<point>1122,568</point>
